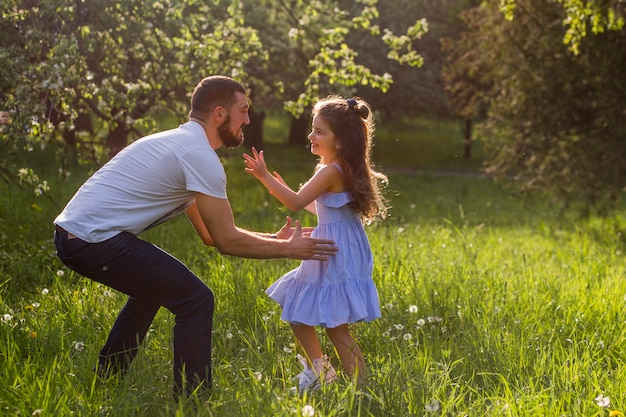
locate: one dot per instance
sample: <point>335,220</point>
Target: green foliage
<point>312,50</point>
<point>590,17</point>
<point>94,75</point>
<point>415,91</point>
<point>553,119</point>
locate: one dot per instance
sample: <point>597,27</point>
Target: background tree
<point>312,52</point>
<point>555,114</point>
<point>422,91</point>
<point>116,66</point>
<point>122,63</point>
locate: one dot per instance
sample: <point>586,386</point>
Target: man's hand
<point>287,230</point>
<point>309,248</point>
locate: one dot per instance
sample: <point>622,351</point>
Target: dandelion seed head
<point>603,401</point>
<point>60,273</point>
<point>413,309</point>
<point>407,336</point>
<point>308,411</point>
<point>432,406</point>
<point>399,326</point>
<point>7,318</point>
<point>45,291</point>
<point>79,346</point>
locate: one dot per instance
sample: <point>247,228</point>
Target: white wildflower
<point>308,411</point>
<point>432,406</point>
<point>603,401</point>
<point>413,309</point>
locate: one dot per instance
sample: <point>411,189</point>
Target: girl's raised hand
<point>279,178</point>
<point>255,164</point>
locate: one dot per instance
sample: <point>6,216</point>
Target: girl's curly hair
<point>352,122</point>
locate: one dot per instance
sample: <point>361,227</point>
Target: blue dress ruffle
<point>337,291</point>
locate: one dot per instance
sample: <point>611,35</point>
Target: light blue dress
<point>337,291</point>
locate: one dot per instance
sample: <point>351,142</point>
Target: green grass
<point>490,308</point>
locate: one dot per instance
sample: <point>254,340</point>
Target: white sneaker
<point>310,380</point>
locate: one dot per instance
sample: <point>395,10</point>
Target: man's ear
<point>219,113</point>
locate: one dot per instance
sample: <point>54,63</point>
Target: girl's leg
<point>348,351</point>
<point>317,369</point>
<point>308,341</point>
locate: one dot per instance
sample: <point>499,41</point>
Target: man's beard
<point>229,139</point>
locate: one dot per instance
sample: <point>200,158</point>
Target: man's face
<point>231,129</point>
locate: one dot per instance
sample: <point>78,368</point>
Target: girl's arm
<point>321,181</point>
<point>310,207</point>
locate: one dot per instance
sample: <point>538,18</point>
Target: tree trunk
<point>116,139</point>
<point>467,141</point>
<point>298,130</point>
<point>253,133</point>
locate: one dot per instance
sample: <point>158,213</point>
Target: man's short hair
<point>213,91</point>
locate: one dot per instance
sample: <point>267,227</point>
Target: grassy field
<point>490,307</point>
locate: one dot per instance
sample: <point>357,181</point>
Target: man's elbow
<point>226,248</point>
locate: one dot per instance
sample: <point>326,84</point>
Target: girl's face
<point>323,140</point>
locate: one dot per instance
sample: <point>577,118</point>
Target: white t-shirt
<point>147,183</point>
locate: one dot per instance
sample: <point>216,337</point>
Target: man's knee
<point>203,301</point>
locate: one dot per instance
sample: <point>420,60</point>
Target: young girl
<point>344,193</point>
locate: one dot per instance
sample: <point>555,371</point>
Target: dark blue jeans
<point>151,278</point>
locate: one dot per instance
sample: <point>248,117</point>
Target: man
<point>147,183</point>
